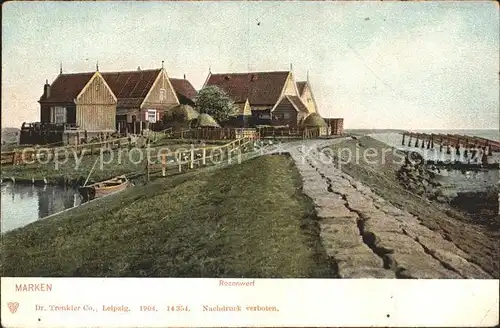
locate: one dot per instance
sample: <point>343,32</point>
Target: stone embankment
<point>414,176</point>
<point>366,236</point>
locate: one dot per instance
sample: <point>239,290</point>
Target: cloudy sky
<point>409,65</point>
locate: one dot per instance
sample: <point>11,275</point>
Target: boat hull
<point>103,188</point>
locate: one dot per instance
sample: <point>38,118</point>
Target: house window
<point>162,95</point>
<point>287,116</point>
<point>58,114</point>
<point>151,115</point>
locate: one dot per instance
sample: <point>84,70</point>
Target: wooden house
<point>307,96</point>
<point>80,103</point>
<point>143,97</point>
<point>335,126</point>
<point>262,98</point>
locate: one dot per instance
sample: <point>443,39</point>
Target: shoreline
<point>478,238</point>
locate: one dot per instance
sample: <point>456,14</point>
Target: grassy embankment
<point>246,220</point>
<point>76,169</point>
<point>469,234</point>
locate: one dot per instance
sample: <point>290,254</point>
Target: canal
<point>24,204</point>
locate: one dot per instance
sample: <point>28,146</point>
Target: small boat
<point>104,188</point>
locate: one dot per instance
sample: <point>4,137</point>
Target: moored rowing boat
<point>104,188</point>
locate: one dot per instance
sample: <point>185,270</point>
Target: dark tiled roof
<point>130,88</point>
<point>298,103</point>
<point>301,85</point>
<point>185,91</point>
<point>261,88</point>
<point>66,87</point>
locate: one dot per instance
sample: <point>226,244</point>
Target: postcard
<point>250,164</point>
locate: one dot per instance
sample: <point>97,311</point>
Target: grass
<point>224,223</point>
<point>479,241</point>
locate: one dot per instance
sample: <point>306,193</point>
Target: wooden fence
<point>197,157</point>
<point>215,134</point>
<point>29,154</point>
<point>305,133</point>
<point>231,133</point>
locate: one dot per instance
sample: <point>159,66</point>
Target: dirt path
<point>365,235</point>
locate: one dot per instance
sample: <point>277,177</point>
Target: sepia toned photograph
<point>296,139</point>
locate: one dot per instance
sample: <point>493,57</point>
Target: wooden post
<point>204,156</point>
<point>163,164</point>
<point>403,142</point>
<point>147,169</point>
<point>191,162</point>
<point>179,160</point>
<point>409,141</point>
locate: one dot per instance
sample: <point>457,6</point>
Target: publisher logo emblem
<point>13,306</point>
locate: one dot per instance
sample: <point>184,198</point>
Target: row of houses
<point>104,102</point>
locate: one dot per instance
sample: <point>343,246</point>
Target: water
<point>22,204</point>
<point>460,182</point>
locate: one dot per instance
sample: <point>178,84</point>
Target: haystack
<point>184,113</point>
<point>314,121</point>
<point>204,121</point>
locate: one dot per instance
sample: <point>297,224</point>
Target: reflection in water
<point>23,204</point>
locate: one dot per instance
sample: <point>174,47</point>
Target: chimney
<point>46,89</point>
<point>138,68</point>
<point>184,76</point>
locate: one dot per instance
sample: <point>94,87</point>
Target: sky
<point>406,65</point>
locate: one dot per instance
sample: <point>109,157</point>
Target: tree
<point>215,102</point>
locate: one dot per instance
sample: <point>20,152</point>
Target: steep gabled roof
<point>299,105</point>
<point>131,87</point>
<point>260,88</point>
<point>66,87</point>
<point>301,86</point>
<point>184,90</point>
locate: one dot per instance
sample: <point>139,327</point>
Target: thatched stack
<point>184,113</point>
<point>204,121</point>
<point>313,120</point>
